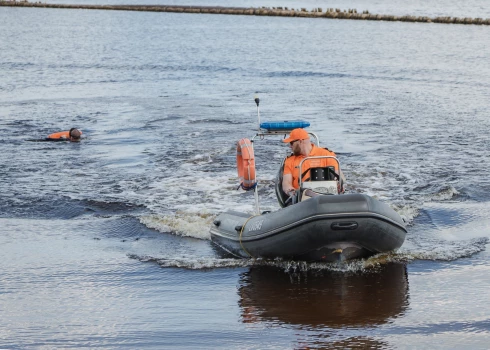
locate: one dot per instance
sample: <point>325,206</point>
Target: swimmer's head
<point>75,134</point>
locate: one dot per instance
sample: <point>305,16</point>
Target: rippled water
<point>105,242</point>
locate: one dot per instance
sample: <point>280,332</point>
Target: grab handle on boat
<point>346,225</point>
<point>291,200</point>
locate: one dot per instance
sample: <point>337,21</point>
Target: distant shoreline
<point>251,11</point>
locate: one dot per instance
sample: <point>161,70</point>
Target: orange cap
<point>297,134</point>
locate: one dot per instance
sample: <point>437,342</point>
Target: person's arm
<point>287,184</point>
<point>287,177</point>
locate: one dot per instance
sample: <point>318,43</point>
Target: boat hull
<point>324,228</point>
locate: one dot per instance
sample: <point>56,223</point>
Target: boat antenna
<point>257,100</point>
<point>256,191</point>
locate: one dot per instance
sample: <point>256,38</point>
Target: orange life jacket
<point>61,135</point>
<point>291,165</point>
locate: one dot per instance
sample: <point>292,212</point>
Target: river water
<point>105,243</point>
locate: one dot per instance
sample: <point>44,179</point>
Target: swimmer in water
<point>73,135</point>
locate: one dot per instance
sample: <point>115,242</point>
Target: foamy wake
<point>203,263</point>
<point>187,224</point>
<point>409,212</point>
<point>442,250</point>
<point>444,194</point>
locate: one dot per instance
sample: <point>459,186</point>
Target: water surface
<point>105,242</point>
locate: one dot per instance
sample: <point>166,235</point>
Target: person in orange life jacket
<point>73,135</point>
<point>301,146</point>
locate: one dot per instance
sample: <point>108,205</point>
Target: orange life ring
<point>245,164</point>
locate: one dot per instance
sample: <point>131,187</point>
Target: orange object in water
<point>60,135</point>
<point>245,163</point>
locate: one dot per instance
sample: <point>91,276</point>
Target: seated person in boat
<point>302,147</point>
<point>73,135</point>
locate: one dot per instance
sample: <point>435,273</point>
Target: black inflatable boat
<point>322,228</point>
<point>322,225</point>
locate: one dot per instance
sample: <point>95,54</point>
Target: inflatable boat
<point>318,223</point>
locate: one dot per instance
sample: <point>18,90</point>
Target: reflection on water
<point>330,299</point>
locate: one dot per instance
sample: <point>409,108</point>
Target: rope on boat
<point>240,238</point>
